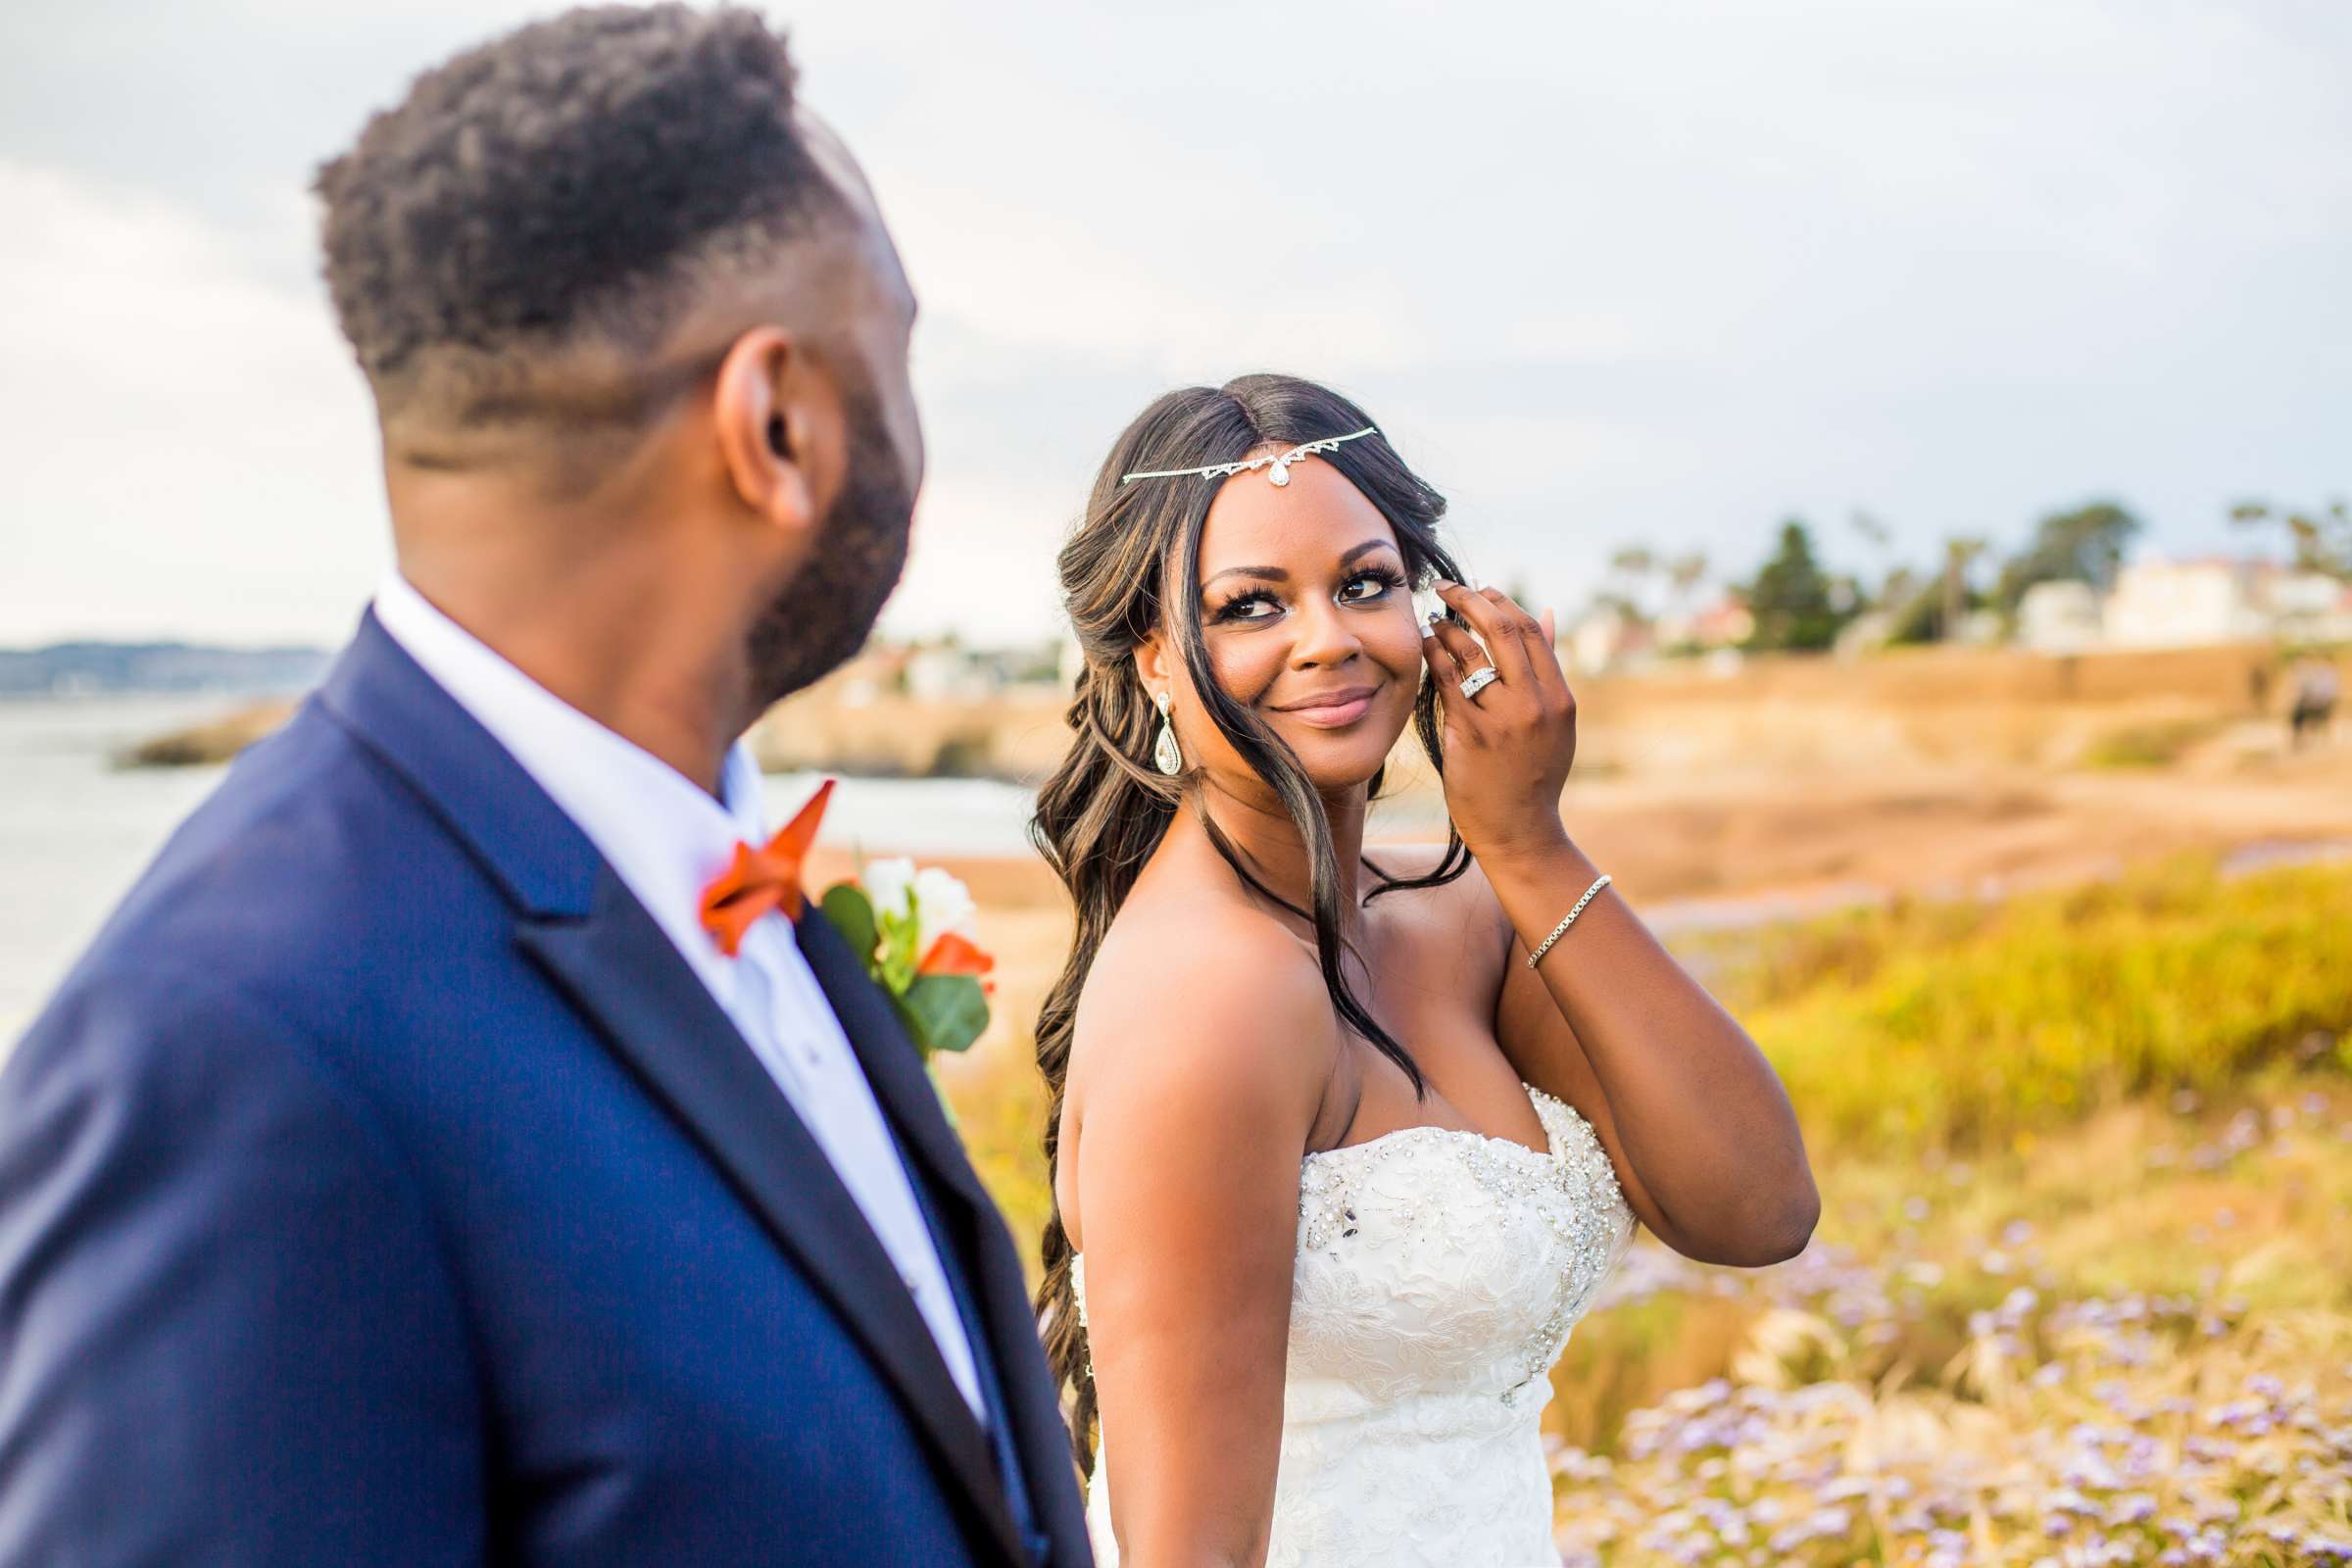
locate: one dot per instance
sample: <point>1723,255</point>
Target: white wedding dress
<point>1439,1274</point>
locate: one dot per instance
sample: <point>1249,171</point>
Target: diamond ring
<point>1478,680</point>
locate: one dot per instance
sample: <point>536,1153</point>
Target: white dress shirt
<point>666,839</point>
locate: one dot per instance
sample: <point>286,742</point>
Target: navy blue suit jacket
<point>383,1187</point>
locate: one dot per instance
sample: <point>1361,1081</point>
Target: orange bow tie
<point>763,880</point>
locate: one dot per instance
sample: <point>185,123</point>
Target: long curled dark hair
<point>1132,567</point>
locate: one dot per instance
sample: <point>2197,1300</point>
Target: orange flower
<point>762,881</point>
<point>954,954</point>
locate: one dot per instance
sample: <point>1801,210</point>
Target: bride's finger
<point>1441,657</point>
<point>1462,648</point>
<point>1538,640</point>
<point>1444,675</point>
<point>1443,662</point>
<point>1550,675</point>
<point>1525,632</point>
<point>1443,647</point>
<point>1498,632</point>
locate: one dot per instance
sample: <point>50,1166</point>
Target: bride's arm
<point>1198,1114</point>
<point>1700,1130</point>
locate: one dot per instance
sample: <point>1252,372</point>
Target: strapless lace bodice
<point>1439,1273</point>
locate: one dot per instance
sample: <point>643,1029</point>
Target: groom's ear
<point>780,428</point>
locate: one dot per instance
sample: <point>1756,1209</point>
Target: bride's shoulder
<point>1206,991</point>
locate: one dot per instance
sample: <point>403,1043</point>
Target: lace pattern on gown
<point>1439,1275</point>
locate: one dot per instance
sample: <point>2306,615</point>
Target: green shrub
<point>1930,1027</point>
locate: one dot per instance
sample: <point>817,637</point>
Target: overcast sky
<point>1649,271</point>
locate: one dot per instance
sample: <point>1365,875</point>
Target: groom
<point>406,1175</point>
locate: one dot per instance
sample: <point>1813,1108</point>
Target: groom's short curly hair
<point>570,179</point>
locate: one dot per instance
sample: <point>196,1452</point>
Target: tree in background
<point>2085,545</point>
<point>1900,597</point>
<point>1959,555</point>
<point>1627,591</point>
<point>1791,597</point>
<point>1880,539</point>
<point>1684,576</point>
<point>1930,609</point>
<point>2320,539</point>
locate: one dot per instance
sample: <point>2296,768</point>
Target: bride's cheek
<point>1242,674</point>
<point>1399,645</point>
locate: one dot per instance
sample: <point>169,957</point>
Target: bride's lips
<point>1333,709</point>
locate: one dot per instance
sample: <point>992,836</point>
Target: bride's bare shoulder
<point>1201,1052</point>
<point>1194,992</point>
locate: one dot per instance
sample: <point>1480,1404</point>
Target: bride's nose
<point>1324,637</point>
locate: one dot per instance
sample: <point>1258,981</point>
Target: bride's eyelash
<point>1389,577</point>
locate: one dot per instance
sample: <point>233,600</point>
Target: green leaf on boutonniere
<point>846,905</point>
<point>895,967</point>
<point>943,1011</point>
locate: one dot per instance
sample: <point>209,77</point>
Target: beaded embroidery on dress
<point>1439,1275</point>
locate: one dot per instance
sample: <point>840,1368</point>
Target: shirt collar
<point>662,834</point>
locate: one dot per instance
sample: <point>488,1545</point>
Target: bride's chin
<point>1337,762</point>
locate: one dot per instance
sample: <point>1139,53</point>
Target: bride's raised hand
<point>1509,745</point>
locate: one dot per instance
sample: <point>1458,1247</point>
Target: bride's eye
<point>1383,582</point>
<point>1240,605</point>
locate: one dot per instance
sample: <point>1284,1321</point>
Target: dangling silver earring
<point>1166,755</point>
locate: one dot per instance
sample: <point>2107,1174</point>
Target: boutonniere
<point>913,929</point>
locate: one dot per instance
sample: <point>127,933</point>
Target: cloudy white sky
<point>1608,271</point>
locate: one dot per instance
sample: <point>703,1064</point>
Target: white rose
<point>887,884</point>
<point>942,904</point>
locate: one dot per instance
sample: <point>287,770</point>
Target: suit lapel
<point>621,971</point>
<point>892,1066</point>
<point>994,1269</point>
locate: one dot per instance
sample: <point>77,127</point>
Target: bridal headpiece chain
<point>1280,460</point>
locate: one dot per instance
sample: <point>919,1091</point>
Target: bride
<point>1335,1166</point>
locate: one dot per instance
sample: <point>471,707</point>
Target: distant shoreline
<point>1008,739</point>
<point>80,670</point>
<point>213,742</point>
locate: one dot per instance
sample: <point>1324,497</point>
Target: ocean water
<point>76,830</point>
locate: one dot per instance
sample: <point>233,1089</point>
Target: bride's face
<point>1309,619</point>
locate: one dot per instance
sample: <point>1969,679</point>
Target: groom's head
<point>634,325</point>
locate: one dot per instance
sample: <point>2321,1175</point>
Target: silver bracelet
<point>1561,930</point>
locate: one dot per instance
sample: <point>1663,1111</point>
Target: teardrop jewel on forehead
<point>1279,463</point>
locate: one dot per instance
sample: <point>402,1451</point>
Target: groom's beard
<point>820,620</point>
